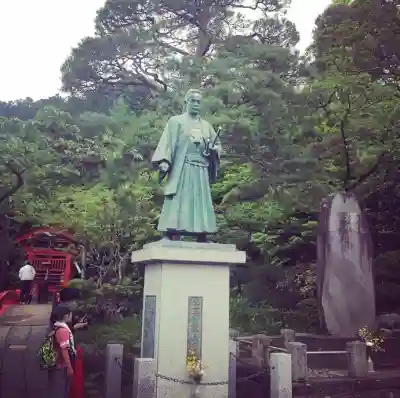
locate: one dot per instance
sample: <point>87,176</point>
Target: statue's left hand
<point>164,167</point>
<point>211,148</point>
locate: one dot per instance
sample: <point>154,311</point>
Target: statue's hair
<point>191,92</point>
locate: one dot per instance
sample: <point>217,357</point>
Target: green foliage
<point>139,47</point>
<point>358,105</point>
<point>247,318</point>
<point>364,30</point>
<point>262,318</point>
<point>126,331</point>
<point>293,131</point>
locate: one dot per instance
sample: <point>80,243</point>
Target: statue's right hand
<point>163,166</point>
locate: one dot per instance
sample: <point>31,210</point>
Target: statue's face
<point>193,104</point>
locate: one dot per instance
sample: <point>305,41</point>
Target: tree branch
<point>17,186</point>
<point>346,154</point>
<point>368,173</point>
<point>248,7</point>
<point>324,104</point>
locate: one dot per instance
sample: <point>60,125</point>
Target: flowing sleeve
<point>165,148</point>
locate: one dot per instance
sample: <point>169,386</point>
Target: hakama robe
<point>187,207</point>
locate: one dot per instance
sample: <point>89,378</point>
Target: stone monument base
<point>186,309</point>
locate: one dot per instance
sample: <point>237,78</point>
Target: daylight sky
<point>37,36</point>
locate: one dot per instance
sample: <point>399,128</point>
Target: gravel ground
<point>326,373</point>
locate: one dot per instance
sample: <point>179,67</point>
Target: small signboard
<point>194,333</point>
<point>149,327</point>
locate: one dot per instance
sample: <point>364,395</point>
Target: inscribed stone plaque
<point>149,327</point>
<point>194,335</point>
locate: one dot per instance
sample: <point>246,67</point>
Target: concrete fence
<point>287,366</point>
<point>144,378</point>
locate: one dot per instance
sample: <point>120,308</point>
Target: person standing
<point>43,289</point>
<point>26,275</point>
<point>78,322</point>
<point>60,379</point>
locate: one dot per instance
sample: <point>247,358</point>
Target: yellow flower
<point>194,365</point>
<point>375,342</point>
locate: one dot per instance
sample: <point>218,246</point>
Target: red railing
<point>7,298</point>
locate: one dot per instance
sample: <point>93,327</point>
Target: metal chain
<point>212,383</point>
<point>122,368</point>
<point>180,381</point>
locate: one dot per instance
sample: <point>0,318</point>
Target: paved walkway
<point>22,330</point>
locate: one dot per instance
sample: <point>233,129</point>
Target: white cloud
<point>37,36</point>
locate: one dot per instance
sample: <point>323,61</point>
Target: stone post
<point>281,375</point>
<point>298,352</point>
<point>232,368</point>
<point>113,376</point>
<point>259,349</point>
<point>144,378</point>
<point>358,362</point>
<point>288,335</point>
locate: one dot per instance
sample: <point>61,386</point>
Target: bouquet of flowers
<point>195,367</point>
<point>373,341</point>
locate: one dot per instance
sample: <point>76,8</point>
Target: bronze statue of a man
<point>188,156</point>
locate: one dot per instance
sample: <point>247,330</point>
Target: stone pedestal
<point>186,307</point>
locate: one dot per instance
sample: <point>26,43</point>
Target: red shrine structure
<point>51,249</point>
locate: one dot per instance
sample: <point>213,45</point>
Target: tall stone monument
<point>186,284</point>
<point>345,284</point>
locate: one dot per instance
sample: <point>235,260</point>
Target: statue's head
<point>193,101</point>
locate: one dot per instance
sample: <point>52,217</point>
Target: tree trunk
<point>84,261</point>
<point>6,246</point>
